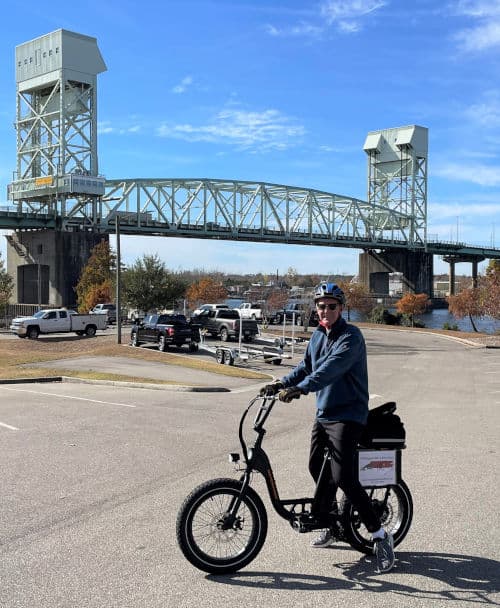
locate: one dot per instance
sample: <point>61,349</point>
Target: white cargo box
<point>379,467</point>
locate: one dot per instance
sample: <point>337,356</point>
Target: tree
<point>412,304</point>
<point>276,300</point>
<point>357,297</point>
<point>205,290</point>
<point>6,286</point>
<point>467,303</point>
<point>148,285</point>
<point>96,280</point>
<point>490,290</point>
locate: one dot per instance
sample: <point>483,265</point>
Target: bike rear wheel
<point>208,539</point>
<point>394,506</point>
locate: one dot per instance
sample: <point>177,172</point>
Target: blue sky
<point>284,91</point>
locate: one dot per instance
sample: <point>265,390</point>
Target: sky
<point>283,91</point>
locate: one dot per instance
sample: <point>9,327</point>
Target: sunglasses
<point>326,306</point>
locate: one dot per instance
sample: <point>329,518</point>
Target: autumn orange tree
<point>412,304</point>
<point>490,290</point>
<point>357,297</point>
<point>96,280</point>
<point>204,291</point>
<point>467,303</point>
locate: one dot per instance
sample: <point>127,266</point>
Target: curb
<point>158,387</point>
<point>432,333</point>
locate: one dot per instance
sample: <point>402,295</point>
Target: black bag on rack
<point>384,428</point>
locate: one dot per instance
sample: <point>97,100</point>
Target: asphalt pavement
<point>93,477</point>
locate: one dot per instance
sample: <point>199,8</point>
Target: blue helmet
<point>329,290</point>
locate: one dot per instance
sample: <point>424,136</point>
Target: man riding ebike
<point>335,368</point>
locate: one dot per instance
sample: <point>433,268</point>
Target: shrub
<point>382,316</point>
<point>450,327</point>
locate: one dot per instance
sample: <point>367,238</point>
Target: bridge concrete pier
<point>453,259</point>
<point>46,264</point>
<point>416,267</point>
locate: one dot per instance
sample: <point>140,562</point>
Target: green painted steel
<point>234,210</point>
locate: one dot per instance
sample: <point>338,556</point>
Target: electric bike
<point>222,524</point>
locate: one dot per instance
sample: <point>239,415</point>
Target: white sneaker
<point>384,552</point>
<point>325,539</point>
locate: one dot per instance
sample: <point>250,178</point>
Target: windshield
<point>39,314</point>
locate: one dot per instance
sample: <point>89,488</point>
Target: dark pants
<point>343,438</point>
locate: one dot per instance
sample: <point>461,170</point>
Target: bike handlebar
<point>267,404</point>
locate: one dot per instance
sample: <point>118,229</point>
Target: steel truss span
<point>241,210</point>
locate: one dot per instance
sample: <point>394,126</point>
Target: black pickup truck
<point>166,330</point>
<point>226,323</point>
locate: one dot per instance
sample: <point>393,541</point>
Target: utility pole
<point>118,282</point>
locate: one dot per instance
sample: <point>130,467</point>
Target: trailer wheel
<point>276,361</point>
<point>219,355</point>
<point>228,358</point>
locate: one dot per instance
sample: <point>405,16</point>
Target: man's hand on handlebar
<point>287,394</point>
<point>269,390</point>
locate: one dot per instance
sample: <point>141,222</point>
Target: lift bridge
<point>60,206</point>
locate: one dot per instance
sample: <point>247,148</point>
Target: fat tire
<point>214,496</point>
<point>398,524</point>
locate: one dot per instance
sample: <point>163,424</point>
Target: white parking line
<point>7,426</point>
<point>24,390</point>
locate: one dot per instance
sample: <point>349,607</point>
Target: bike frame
<point>297,511</point>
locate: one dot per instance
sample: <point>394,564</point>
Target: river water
<point>435,319</point>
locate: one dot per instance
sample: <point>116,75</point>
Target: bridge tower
<point>397,181</point>
<point>57,167</point>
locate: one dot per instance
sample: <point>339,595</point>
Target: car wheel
<point>32,333</point>
<point>193,347</point>
<point>224,334</point>
<point>133,339</point>
<point>90,331</point>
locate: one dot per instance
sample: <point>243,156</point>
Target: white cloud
<point>258,130</point>
<point>345,15</point>
<point>484,35</point>
<point>105,128</point>
<point>483,175</point>
<point>183,85</point>
<point>485,113</point>
<point>302,29</point>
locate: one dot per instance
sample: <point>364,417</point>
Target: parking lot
<point>93,476</point>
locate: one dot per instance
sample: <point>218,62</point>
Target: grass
<point>16,354</point>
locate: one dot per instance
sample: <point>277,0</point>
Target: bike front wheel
<point>212,540</point>
<point>394,506</point>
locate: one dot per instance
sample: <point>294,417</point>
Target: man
<point>335,368</point>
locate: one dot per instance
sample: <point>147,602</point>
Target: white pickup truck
<point>250,311</point>
<point>59,320</point>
